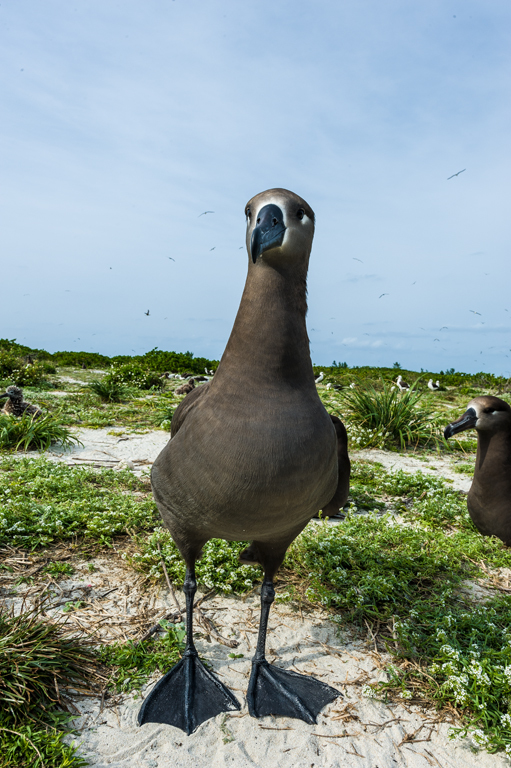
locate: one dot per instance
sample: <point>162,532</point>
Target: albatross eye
<point>301,213</point>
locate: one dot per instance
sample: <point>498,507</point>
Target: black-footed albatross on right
<point>253,455</point>
<point>489,498</point>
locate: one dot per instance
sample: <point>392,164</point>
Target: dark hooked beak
<point>268,232</point>
<point>466,421</point>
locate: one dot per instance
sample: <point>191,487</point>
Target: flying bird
<point>170,257</point>
<point>444,328</point>
<point>475,313</point>
<point>147,313</point>
<point>212,249</point>
<point>383,294</point>
<point>205,212</point>
<point>456,174</point>
<point>355,259</point>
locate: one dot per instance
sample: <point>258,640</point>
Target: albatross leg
<point>189,694</point>
<point>275,691</point>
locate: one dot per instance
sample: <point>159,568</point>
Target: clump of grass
<point>39,662</point>
<point>388,416</point>
<point>108,391</point>
<point>134,663</point>
<point>29,434</point>
<point>218,567</point>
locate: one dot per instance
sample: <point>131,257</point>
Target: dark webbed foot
<point>275,691</point>
<point>187,696</point>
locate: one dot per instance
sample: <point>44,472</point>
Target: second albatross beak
<point>466,421</point>
<point>268,232</point>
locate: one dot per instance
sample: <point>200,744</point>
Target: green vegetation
<point>39,662</point>
<point>217,569</point>
<point>43,502</point>
<point>134,663</point>
<point>107,390</point>
<point>28,433</point>
<point>388,416</point>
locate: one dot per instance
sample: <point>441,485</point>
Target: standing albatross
<point>489,497</point>
<point>253,456</point>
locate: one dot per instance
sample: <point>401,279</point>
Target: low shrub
<point>135,375</point>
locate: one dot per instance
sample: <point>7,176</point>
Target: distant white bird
<point>329,385</point>
<point>320,378</point>
<point>433,387</point>
<point>403,386</point>
<point>352,385</point>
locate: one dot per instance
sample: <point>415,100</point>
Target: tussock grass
<point>107,390</point>
<point>29,434</point>
<point>390,416</point>
<point>39,663</point>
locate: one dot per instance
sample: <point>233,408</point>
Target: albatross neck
<point>269,339</point>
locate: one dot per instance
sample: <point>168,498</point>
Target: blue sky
<point>122,122</point>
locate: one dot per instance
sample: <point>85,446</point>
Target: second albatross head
<point>280,226</point>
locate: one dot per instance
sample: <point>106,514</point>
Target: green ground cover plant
<point>218,567</point>
<point>133,663</point>
<point>43,502</point>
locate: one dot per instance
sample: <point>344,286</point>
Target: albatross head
<point>280,227</point>
<point>486,414</point>
<point>13,393</point>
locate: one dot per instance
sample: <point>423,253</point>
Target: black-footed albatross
<point>489,498</point>
<point>16,406</point>
<point>253,455</point>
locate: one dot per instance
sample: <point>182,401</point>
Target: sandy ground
<point>352,731</point>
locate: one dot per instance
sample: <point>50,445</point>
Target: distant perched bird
<point>489,498</point>
<point>433,387</point>
<point>403,386</point>
<point>147,313</point>
<point>456,174</point>
<point>184,389</point>
<point>16,406</point>
<point>320,378</point>
<point>352,385</point>
<point>204,213</point>
<point>253,456</point>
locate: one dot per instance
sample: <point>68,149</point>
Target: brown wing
<point>189,402</point>
<point>340,496</point>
